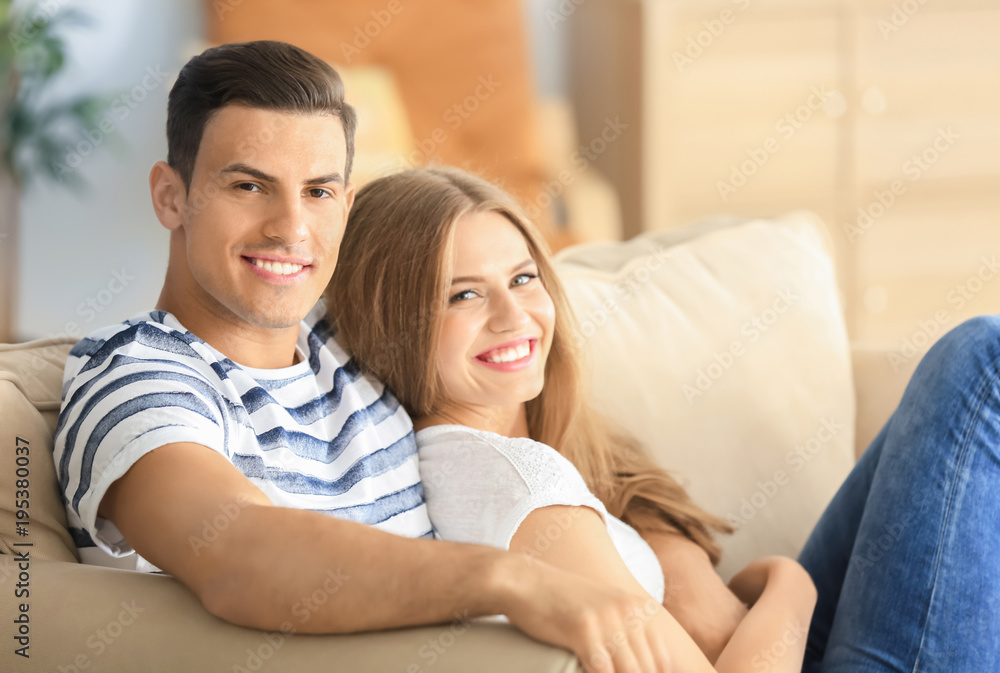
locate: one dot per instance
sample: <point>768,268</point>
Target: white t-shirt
<point>479,486</point>
<point>318,435</point>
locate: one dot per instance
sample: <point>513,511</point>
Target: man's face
<point>264,215</point>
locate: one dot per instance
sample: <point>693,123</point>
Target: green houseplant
<point>34,131</point>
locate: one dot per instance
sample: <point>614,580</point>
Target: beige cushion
<point>105,620</point>
<point>668,322</point>
<point>30,385</point>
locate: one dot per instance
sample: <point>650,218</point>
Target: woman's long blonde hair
<point>386,299</point>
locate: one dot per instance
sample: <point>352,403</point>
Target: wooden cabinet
<point>756,107</point>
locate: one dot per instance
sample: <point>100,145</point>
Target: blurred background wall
<point>606,117</point>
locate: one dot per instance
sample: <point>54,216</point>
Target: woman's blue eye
<point>465,294</point>
<point>523,278</point>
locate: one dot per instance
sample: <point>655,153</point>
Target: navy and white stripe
<point>318,435</point>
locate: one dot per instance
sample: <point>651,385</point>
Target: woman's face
<point>497,326</point>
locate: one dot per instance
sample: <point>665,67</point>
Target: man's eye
<point>319,193</point>
<point>523,278</point>
<point>461,296</point>
<point>248,186</point>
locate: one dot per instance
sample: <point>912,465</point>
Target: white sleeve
<point>123,405</point>
<point>479,490</point>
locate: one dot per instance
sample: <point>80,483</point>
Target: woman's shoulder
<point>538,465</point>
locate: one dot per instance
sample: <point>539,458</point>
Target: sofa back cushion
<point>722,348</point>
<point>31,508</point>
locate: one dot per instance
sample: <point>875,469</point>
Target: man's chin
<point>283,320</point>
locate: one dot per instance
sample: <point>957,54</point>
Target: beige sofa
<point>721,346</point>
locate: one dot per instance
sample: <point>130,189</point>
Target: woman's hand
<point>785,573</point>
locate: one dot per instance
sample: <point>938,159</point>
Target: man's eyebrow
<point>264,177</point>
<point>479,279</point>
<point>248,170</point>
<point>326,179</point>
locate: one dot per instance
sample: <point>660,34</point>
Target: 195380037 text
<point>22,549</point>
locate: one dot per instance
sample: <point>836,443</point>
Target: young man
<point>225,437</point>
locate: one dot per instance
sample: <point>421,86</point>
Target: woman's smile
<point>510,356</point>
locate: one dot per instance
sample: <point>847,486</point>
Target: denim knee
<point>971,349</point>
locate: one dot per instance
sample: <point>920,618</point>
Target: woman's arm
<point>576,539</point>
<point>695,594</point>
<point>773,634</point>
<point>712,612</point>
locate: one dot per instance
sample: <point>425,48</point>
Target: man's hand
<point>610,629</point>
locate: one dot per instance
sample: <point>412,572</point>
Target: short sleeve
<point>479,489</point>
<point>119,403</point>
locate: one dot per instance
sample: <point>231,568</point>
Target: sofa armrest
<point>880,377</point>
<point>89,618</point>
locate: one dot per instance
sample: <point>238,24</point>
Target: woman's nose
<point>508,313</point>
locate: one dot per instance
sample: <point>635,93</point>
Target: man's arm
<point>268,563</point>
<point>259,565</point>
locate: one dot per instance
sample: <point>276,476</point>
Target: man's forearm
<point>281,567</point>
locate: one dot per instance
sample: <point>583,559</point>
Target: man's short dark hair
<point>264,74</point>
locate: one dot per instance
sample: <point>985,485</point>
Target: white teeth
<point>280,268</point>
<point>510,354</point>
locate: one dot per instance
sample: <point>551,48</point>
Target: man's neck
<point>244,344</point>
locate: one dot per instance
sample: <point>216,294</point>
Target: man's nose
<point>286,221</point>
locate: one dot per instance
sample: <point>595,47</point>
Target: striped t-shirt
<point>319,435</point>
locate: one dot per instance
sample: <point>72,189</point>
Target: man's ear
<point>349,191</point>
<point>168,193</point>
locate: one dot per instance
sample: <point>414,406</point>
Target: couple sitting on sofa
<point>260,385</point>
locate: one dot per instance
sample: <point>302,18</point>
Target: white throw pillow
<point>722,347</point>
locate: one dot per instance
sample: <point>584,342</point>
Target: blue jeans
<point>906,558</point>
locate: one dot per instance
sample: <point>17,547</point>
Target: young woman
<point>445,292</point>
